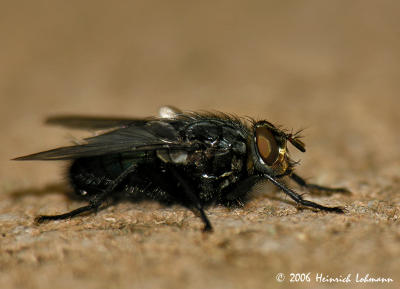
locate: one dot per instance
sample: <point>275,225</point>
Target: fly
<point>193,159</point>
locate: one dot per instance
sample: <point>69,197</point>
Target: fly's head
<point>269,153</point>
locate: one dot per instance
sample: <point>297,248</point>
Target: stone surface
<point>329,67</point>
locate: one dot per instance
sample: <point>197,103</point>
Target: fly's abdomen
<point>91,175</point>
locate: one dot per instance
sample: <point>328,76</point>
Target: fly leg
<point>317,188</point>
<point>193,199</point>
<point>43,218</point>
<point>94,203</point>
<point>299,199</point>
<point>240,192</point>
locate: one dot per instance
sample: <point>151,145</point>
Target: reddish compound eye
<point>266,145</point>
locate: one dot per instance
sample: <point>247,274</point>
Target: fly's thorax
<point>268,152</point>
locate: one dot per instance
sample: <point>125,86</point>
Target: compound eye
<point>266,145</point>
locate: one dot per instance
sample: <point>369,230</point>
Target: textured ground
<point>330,67</point>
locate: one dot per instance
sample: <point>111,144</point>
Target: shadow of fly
<point>190,158</point>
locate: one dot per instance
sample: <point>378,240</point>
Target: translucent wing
<point>91,123</point>
<point>99,123</point>
<point>137,136</point>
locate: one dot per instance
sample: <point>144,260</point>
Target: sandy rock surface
<point>329,67</point>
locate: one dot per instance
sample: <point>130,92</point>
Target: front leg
<point>240,192</point>
<point>299,199</point>
<point>317,188</point>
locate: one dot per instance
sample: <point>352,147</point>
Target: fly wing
<point>92,123</point>
<point>99,123</point>
<point>141,136</point>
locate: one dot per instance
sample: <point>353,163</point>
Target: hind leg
<point>94,204</point>
<point>95,201</point>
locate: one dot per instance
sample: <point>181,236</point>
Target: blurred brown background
<point>331,67</point>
